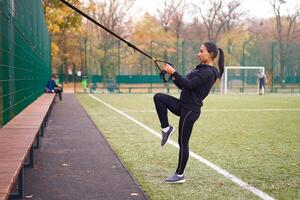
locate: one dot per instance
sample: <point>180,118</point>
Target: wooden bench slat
<point>15,153</point>
<point>17,144</point>
<point>33,121</point>
<point>8,179</point>
<point>9,175</point>
<point>9,171</point>
<point>18,135</point>
<point>6,182</point>
<point>29,124</point>
<point>36,124</point>
<point>41,106</point>
<point>15,130</point>
<point>7,141</point>
<point>3,196</point>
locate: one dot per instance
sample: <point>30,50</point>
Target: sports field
<point>255,138</point>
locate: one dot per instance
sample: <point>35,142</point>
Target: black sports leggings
<point>58,90</point>
<point>163,103</point>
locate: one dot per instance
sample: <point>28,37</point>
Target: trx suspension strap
<point>162,73</point>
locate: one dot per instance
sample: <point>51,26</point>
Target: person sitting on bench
<point>52,87</point>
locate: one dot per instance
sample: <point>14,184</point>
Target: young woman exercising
<point>194,88</point>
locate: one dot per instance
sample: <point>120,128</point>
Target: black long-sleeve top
<point>196,85</point>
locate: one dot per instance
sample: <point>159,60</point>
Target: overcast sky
<point>256,8</point>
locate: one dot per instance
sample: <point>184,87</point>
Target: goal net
<point>241,79</point>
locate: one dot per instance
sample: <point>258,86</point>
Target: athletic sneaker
<point>166,135</point>
<point>175,178</point>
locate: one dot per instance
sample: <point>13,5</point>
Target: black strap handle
<point>163,74</point>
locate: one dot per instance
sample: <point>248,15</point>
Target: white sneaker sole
<point>181,181</point>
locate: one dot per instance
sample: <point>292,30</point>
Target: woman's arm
<point>176,82</point>
<point>193,83</point>
<point>183,82</point>
<point>170,70</point>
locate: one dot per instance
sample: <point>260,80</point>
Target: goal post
<point>237,78</point>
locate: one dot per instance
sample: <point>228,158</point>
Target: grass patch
<point>259,147</point>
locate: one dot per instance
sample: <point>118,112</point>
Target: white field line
<point>221,171</point>
<point>228,110</point>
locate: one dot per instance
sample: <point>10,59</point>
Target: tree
<point>171,19</point>
<point>285,32</point>
<point>165,14</point>
<point>194,30</point>
<point>152,38</point>
<point>235,44</point>
<point>113,15</point>
<point>63,25</point>
<point>177,22</point>
<point>219,16</point>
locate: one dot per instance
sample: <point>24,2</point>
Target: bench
<point>139,89</point>
<point>146,88</point>
<point>18,139</point>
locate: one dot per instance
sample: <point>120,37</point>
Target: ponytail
<point>214,50</point>
<point>221,62</point>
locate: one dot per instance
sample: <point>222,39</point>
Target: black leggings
<point>163,103</point>
<point>58,90</point>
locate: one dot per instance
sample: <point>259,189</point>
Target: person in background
<point>262,80</point>
<point>52,87</point>
<point>84,83</point>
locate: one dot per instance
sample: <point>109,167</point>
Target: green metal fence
<point>25,55</point>
<point>124,66</point>
<point>281,70</point>
<point>107,61</point>
<point>121,60</point>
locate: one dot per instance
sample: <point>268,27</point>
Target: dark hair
<point>214,50</point>
<point>53,76</point>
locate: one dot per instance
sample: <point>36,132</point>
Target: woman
<point>194,88</point>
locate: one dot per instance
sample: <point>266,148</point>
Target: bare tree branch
<point>285,32</point>
<point>219,16</point>
<point>165,14</point>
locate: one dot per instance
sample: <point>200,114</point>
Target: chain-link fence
<point>25,55</point>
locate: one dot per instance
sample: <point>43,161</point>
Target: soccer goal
<point>241,79</point>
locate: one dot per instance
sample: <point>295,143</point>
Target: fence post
<point>272,63</point>
<point>183,58</point>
